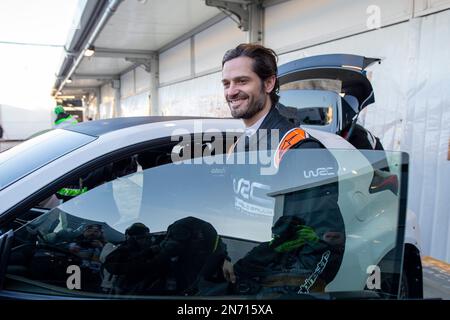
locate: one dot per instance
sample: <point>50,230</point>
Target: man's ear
<point>269,84</point>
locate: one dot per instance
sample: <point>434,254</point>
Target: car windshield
<point>318,222</point>
<point>30,155</point>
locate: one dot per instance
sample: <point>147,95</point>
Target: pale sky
<point>27,72</point>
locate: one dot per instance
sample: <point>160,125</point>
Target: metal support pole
<point>98,95</point>
<point>154,86</point>
<point>117,112</point>
<point>256,25</point>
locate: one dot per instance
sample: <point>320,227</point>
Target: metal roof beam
<point>238,8</point>
<point>145,62</point>
<point>83,89</point>
<point>79,76</point>
<point>123,54</point>
<point>90,14</point>
<point>109,11</point>
<point>269,3</point>
<point>250,14</point>
<point>193,32</point>
<point>78,92</point>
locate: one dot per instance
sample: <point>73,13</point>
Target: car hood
<point>347,68</point>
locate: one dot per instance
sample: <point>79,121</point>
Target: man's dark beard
<point>254,106</point>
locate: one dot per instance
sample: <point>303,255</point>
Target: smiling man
<point>246,93</point>
<point>249,78</point>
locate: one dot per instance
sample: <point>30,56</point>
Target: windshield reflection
<point>170,230</point>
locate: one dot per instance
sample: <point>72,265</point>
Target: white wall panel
<point>127,84</point>
<point>175,63</point>
<point>198,97</point>
<point>106,106</point>
<point>92,110</point>
<point>106,110</point>
<point>136,105</point>
<point>427,132</point>
<point>142,79</point>
<point>300,23</point>
<point>211,44</point>
<point>107,93</point>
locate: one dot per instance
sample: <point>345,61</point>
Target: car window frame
<point>118,154</point>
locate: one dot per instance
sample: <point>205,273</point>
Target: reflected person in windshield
<point>88,246</point>
<point>174,263</point>
<point>287,264</point>
<point>133,264</point>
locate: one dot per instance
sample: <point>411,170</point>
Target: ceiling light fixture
<point>89,52</point>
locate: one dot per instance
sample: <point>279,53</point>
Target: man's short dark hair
<point>137,229</point>
<point>264,63</point>
<point>95,226</point>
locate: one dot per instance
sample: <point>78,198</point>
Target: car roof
<point>348,68</point>
<point>100,127</point>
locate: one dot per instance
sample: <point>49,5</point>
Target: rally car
<point>97,179</point>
